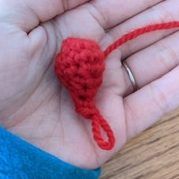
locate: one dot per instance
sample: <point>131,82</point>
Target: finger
<point>149,104</point>
<point>112,12</point>
<point>28,14</point>
<point>155,61</point>
<point>163,12</point>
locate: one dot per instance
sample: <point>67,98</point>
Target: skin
<point>34,105</point>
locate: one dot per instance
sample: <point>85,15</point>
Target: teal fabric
<point>21,160</point>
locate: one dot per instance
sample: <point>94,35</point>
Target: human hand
<point>34,105</point>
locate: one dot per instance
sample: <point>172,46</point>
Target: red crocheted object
<point>80,66</point>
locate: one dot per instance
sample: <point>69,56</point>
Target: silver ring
<point>131,76</point>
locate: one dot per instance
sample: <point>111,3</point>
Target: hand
<point>35,106</point>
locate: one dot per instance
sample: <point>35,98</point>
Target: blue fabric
<point>21,160</point>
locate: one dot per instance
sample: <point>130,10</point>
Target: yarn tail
<point>138,32</point>
<point>99,124</point>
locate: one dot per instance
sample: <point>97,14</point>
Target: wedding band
<point>131,76</point>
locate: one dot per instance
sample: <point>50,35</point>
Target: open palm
<point>36,107</point>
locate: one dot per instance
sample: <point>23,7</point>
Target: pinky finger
<point>146,106</point>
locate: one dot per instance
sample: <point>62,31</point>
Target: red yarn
<point>80,66</point>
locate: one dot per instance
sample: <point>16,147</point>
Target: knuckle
<point>168,56</point>
<point>162,14</point>
<point>98,15</point>
<point>159,97</point>
<point>130,119</point>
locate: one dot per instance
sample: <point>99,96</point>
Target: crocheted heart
<point>80,67</point>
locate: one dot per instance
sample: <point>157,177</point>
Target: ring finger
<point>155,61</point>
